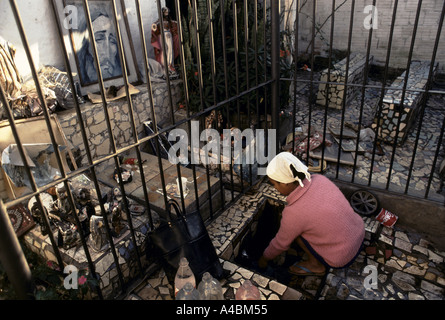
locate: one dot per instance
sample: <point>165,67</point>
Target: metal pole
<point>275,59</point>
<point>13,259</point>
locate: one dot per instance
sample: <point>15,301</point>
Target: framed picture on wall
<point>79,45</point>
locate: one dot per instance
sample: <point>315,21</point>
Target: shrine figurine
<point>98,234</point>
<point>171,41</point>
<point>116,221</point>
<point>37,215</point>
<point>61,206</point>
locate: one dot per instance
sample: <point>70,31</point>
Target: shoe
<point>307,272</point>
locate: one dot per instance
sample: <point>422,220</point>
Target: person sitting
<point>317,216</point>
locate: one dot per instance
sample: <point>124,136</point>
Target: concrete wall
<point>405,18</point>
<point>40,27</point>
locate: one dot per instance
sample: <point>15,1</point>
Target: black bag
<point>185,236</point>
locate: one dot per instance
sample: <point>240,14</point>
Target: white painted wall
<point>400,46</point>
<point>39,24</point>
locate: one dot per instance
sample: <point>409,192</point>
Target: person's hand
<point>262,262</point>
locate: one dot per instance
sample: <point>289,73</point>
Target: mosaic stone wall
<point>393,112</point>
<point>334,95</point>
<point>95,123</point>
<point>103,260</point>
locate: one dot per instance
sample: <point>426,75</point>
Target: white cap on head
<point>279,168</point>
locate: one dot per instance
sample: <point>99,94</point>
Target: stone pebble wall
<point>335,94</point>
<point>96,126</point>
<point>395,114</point>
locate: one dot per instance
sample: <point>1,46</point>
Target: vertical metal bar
<point>430,78</point>
<point>133,128</point>
<point>81,124</point>
<point>255,47</point>
<point>141,168</point>
<point>13,259</point>
<point>436,155</point>
<point>296,35</point>
<point>405,84</point>
<point>153,114</point>
<point>325,120</point>
<point>167,77</point>
<point>275,68</point>
<point>198,53</point>
<point>265,62</point>
<point>38,86</point>
<point>362,102</point>
<point>311,86</point>
<point>164,53</point>
<point>212,49</point>
<point>111,137</point>
<point>247,73</point>
<point>201,89</point>
<point>186,92</point>
<point>351,25</point>
<point>422,111</point>
<point>382,93</point>
<point>213,71</point>
<point>47,119</point>
<point>236,53</point>
<point>226,88</point>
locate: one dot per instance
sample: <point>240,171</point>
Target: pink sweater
<point>322,215</point>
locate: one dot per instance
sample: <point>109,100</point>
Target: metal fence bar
<point>405,84</point>
<point>295,76</point>
<point>170,98</point>
<point>210,20</point>
<point>382,93</point>
<point>311,85</point>
<point>230,100</point>
<point>255,47</point>
<point>201,91</point>
<point>275,68</point>
<point>83,133</point>
<point>164,53</point>
<point>153,114</point>
<point>362,101</point>
<point>133,128</point>
<point>348,55</point>
<point>331,42</point>
<point>46,114</point>
<point>368,86</point>
<point>246,44</point>
<point>111,137</point>
<point>430,77</point>
<point>236,56</point>
<point>265,62</point>
<point>226,89</point>
<point>186,91</point>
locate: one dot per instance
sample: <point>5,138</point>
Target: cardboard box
<point>32,131</point>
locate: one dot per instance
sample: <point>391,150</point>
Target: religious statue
<point>98,235</point>
<point>171,39</point>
